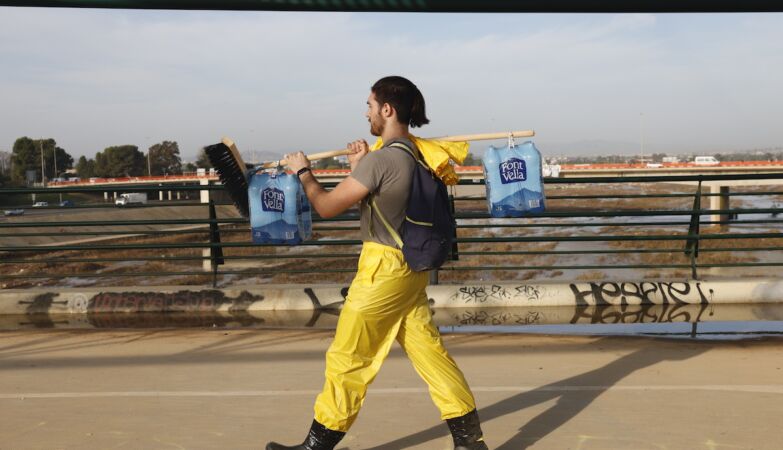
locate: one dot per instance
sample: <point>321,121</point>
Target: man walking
<point>386,301</point>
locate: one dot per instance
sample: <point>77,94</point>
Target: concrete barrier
<point>443,317</point>
<point>201,299</point>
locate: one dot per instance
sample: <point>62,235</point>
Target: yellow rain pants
<point>386,301</point>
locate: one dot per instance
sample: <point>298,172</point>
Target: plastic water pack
<point>513,180</point>
<point>279,210</point>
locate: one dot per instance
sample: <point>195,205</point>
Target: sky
<point>279,81</point>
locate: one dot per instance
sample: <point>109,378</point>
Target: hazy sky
<point>277,81</point>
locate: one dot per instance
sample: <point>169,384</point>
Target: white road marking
<point>746,388</point>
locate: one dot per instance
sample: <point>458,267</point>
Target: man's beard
<point>376,126</point>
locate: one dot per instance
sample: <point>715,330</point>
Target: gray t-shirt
<point>387,173</point>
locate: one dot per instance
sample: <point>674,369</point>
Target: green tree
<point>26,155</point>
<point>23,158</point>
<point>85,168</point>
<point>120,161</point>
<point>64,162</point>
<point>189,167</point>
<point>164,158</point>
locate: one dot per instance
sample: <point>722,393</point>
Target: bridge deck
<point>240,388</point>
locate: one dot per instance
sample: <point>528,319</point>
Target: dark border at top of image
<point>443,6</point>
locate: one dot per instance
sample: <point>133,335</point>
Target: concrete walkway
<point>236,389</point>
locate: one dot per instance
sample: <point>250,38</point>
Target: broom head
<point>226,160</point>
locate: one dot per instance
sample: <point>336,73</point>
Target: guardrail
<point>593,226</point>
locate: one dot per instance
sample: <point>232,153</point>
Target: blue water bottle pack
<point>279,210</point>
<point>513,180</point>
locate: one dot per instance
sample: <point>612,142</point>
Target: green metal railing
<point>51,249</point>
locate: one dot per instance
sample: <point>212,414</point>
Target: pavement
<point>239,388</point>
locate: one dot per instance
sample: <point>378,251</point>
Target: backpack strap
<point>423,164</point>
<point>396,236</point>
<point>374,206</point>
<point>410,151</point>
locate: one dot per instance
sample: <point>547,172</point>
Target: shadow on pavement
<point>570,401</point>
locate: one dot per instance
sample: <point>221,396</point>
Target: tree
<point>85,168</point>
<point>189,167</point>
<point>64,162</point>
<point>5,163</point>
<point>164,158</point>
<point>5,168</point>
<point>203,160</point>
<point>323,163</point>
<point>471,160</point>
<point>26,155</point>
<point>120,161</point>
<point>23,158</point>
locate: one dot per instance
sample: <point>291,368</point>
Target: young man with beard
<point>386,301</point>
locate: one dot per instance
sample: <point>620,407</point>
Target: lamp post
<point>43,167</point>
<point>641,138</point>
<point>54,152</point>
<point>149,153</point>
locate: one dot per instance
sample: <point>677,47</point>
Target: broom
<point>234,173</point>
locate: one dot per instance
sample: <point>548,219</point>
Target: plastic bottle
<point>513,180</point>
<point>279,210</point>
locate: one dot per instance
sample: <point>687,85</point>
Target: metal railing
<point>605,229</point>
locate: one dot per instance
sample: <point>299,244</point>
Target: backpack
<point>429,228</point>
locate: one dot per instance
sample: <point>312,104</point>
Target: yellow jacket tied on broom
<point>437,155</point>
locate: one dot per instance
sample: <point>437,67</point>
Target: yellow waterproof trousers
<point>386,301</point>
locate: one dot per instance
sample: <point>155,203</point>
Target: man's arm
<point>331,203</point>
<point>344,195</point>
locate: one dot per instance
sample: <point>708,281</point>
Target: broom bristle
<point>231,171</point>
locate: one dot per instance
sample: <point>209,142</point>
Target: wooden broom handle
<point>458,138</point>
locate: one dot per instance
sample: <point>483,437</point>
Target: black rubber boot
<point>466,432</point>
<point>319,438</point>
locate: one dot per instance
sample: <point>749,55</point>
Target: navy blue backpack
<point>429,227</point>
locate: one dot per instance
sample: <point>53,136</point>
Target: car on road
<point>40,204</point>
<point>13,212</point>
<point>66,203</point>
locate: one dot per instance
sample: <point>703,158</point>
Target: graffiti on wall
<point>320,308</point>
<point>645,292</point>
<point>647,313</point>
<point>317,304</point>
<point>99,307</point>
<point>41,303</point>
<point>174,320</point>
<point>585,314</point>
<point>207,300</point>
<point>489,317</point>
<point>480,294</point>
